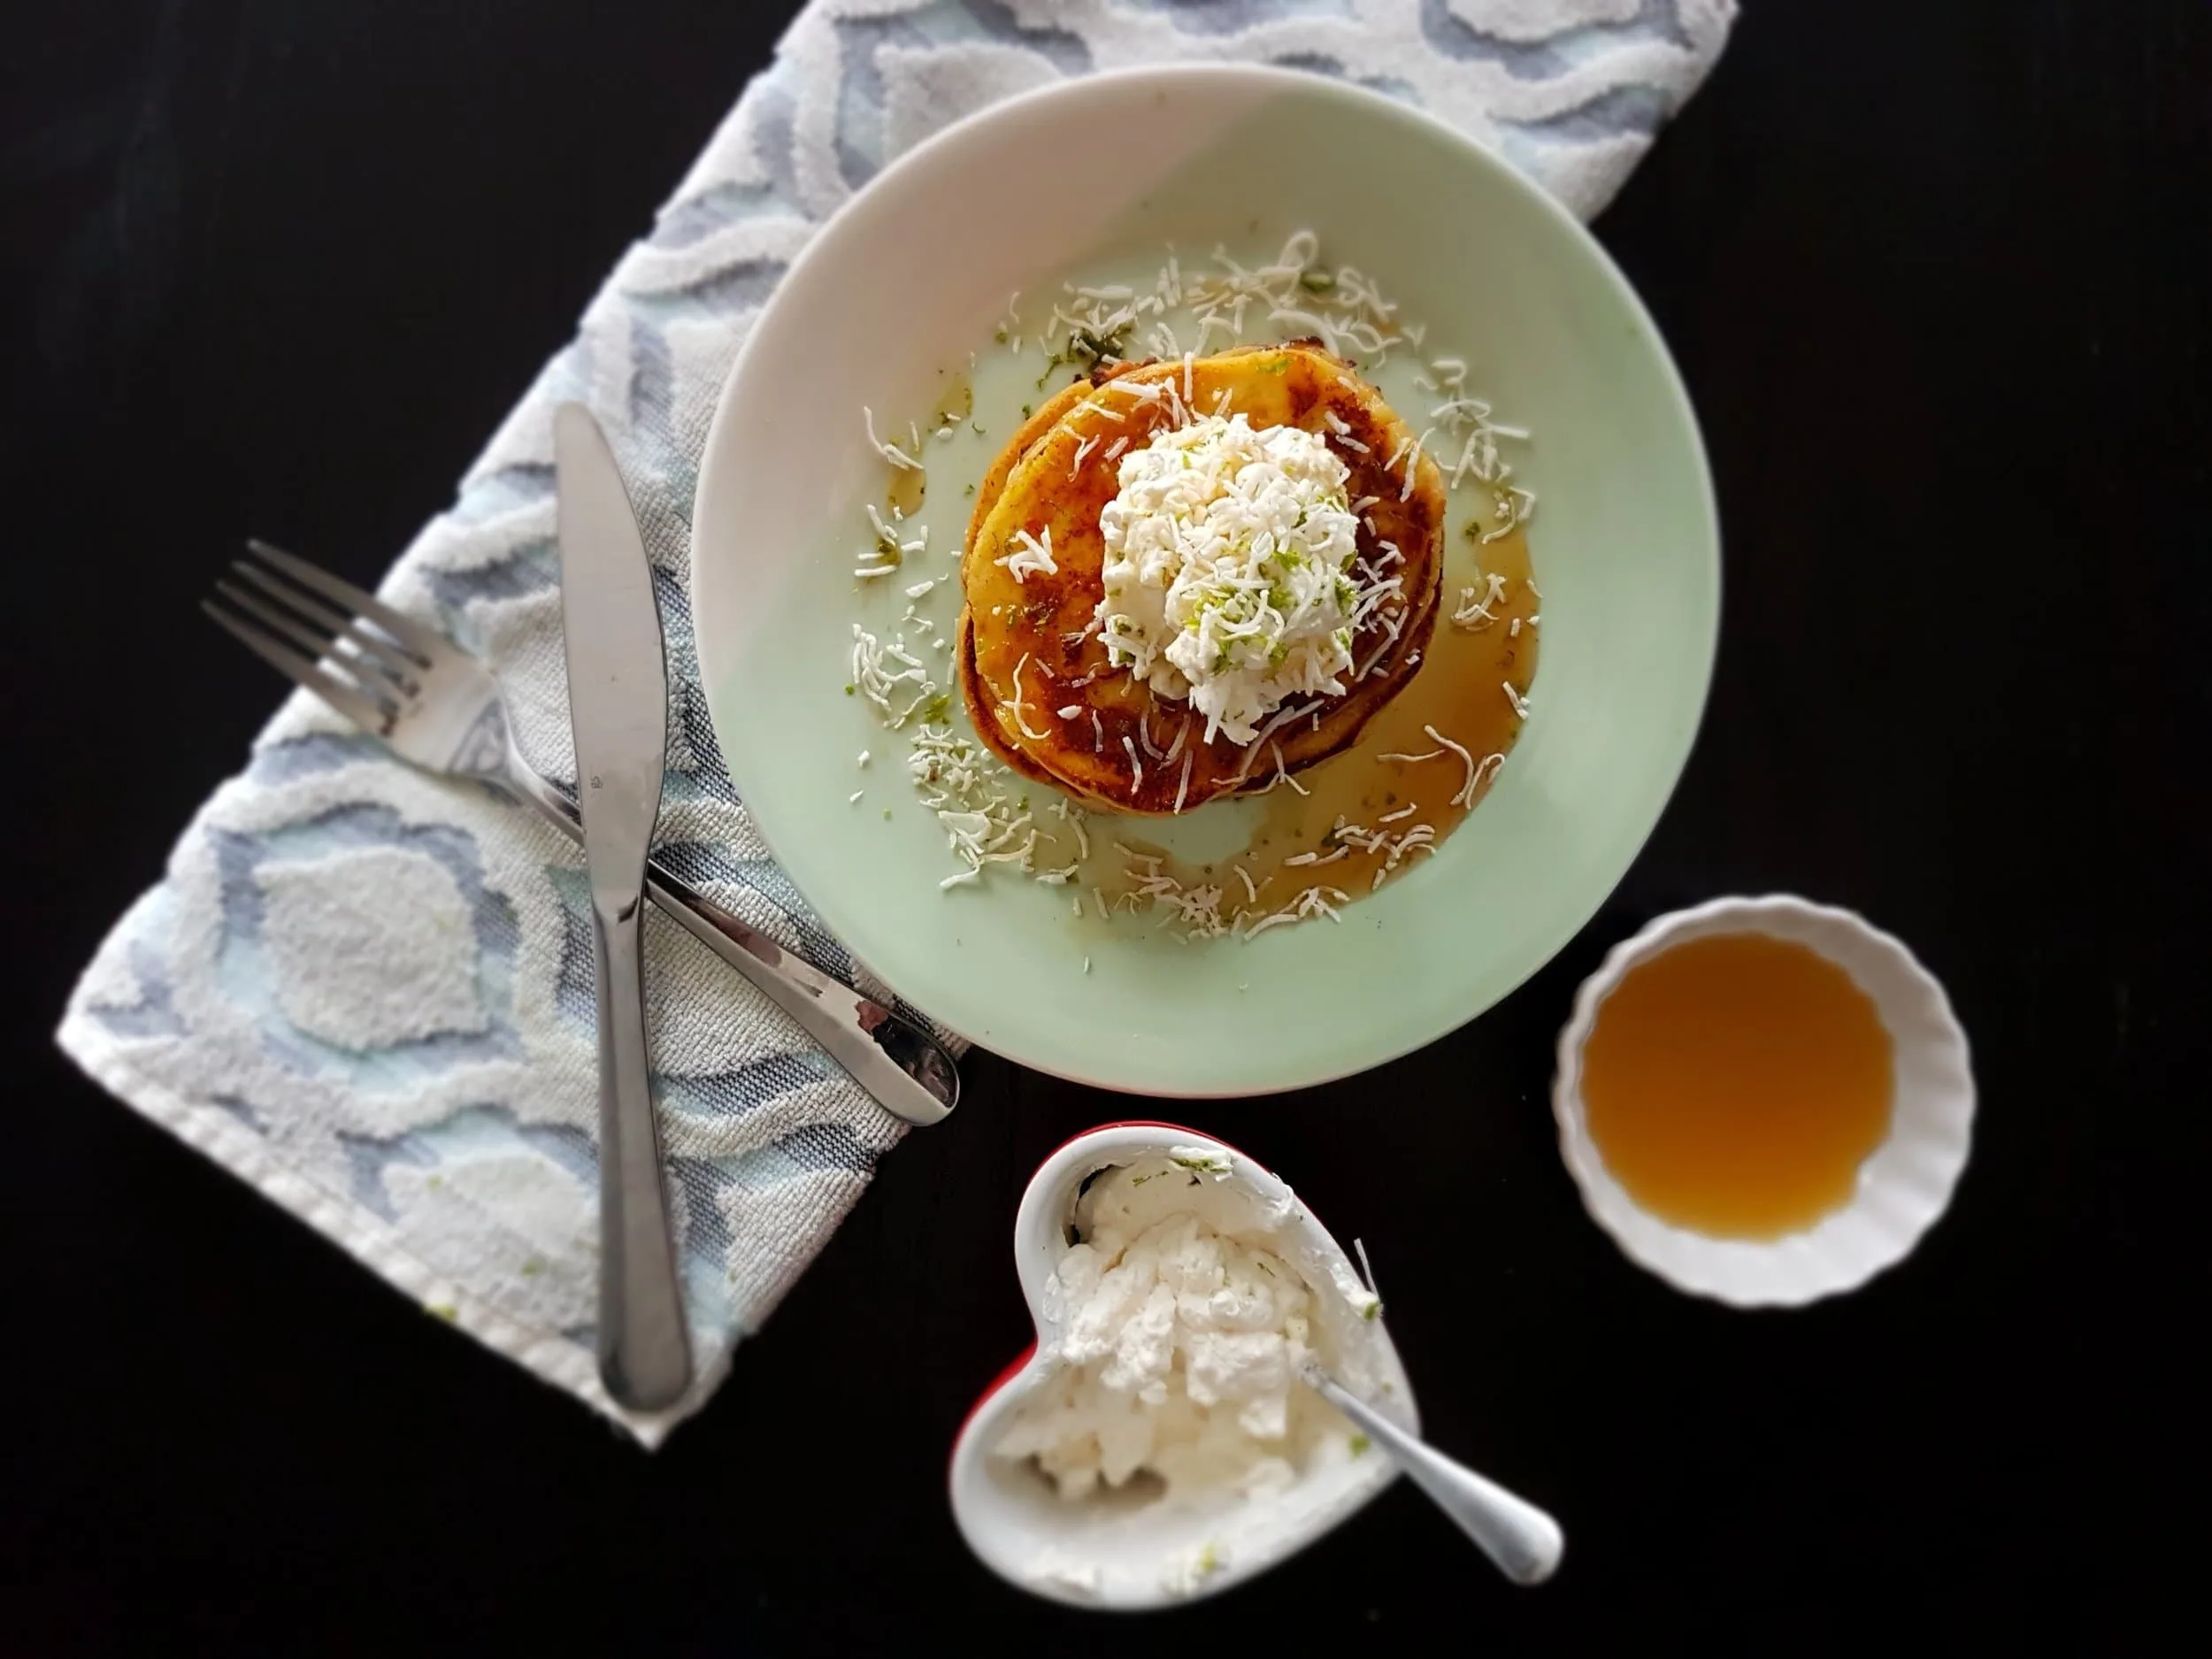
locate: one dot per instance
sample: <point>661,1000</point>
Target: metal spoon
<point>1525,1542</point>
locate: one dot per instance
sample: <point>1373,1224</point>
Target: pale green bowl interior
<point>1625,545</point>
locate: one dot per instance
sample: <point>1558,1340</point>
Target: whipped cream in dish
<point>1183,1329</point>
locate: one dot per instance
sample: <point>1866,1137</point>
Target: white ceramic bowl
<point>1102,1554</point>
<point>1903,1186</point>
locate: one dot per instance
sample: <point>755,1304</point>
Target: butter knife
<point>617,701</point>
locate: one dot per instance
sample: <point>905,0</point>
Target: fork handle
<point>644,1355</point>
<point>905,1070</point>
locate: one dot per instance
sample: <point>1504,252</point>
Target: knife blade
<point>617,702</point>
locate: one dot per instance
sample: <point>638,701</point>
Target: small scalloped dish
<point>1124,1550</point>
<point>1903,1185</point>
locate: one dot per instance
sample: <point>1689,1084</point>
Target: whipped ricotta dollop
<point>1182,1337</point>
<point>1227,572</point>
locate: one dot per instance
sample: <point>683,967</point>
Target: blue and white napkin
<point>368,992</point>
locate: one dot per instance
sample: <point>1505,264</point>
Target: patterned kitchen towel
<point>368,992</point>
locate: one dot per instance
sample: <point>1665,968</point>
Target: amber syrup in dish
<point>1734,1084</point>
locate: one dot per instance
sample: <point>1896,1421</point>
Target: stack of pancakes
<point>1029,660</point>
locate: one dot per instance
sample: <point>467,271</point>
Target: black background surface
<point>1937,277</point>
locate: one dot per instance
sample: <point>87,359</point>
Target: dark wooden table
<point>1938,278</point>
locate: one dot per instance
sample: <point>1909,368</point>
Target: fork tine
<point>314,644</point>
<point>303,672</point>
<point>333,622</point>
<point>423,642</point>
<point>328,618</point>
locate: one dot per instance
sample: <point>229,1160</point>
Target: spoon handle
<point>1525,1542</point>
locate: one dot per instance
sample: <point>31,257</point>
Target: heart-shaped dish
<point>1123,1549</point>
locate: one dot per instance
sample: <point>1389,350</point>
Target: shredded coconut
<point>1032,556</point>
<point>890,452</point>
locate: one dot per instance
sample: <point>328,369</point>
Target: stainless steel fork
<point>441,709</point>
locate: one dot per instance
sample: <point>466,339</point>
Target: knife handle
<point>905,1070</point>
<point>644,1353</point>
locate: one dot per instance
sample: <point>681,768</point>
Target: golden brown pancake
<point>1038,629</point>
